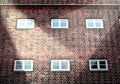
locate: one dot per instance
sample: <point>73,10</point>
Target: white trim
<point>60,66</point>
<point>93,21</point>
<point>98,65</point>
<point>23,65</point>
<point>25,23</point>
<point>59,21</point>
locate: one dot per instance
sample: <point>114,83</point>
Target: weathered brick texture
<point>42,44</point>
<point>59,2</point>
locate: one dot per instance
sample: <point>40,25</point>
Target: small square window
<point>25,23</point>
<point>55,64</point>
<point>64,64</point>
<point>94,23</point>
<point>60,65</point>
<point>59,23</point>
<point>23,65</point>
<point>98,65</point>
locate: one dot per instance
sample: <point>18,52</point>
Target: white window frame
<point>59,23</point>
<point>98,65</point>
<point>23,65</point>
<point>25,23</point>
<point>60,66</point>
<point>93,21</point>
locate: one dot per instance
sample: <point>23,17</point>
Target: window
<point>59,23</point>
<point>94,23</point>
<point>25,23</point>
<point>23,65</point>
<point>60,65</point>
<point>98,65</point>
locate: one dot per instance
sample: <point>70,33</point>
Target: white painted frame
<point>59,21</point>
<point>60,66</point>
<point>23,65</point>
<point>98,65</point>
<point>23,23</point>
<point>93,21</point>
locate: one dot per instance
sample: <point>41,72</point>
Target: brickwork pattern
<point>42,44</point>
<point>59,2</point>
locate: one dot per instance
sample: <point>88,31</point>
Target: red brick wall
<point>59,2</point>
<point>42,44</point>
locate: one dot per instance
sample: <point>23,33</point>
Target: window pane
<point>64,64</point>
<point>63,23</point>
<point>18,64</point>
<point>98,24</point>
<point>27,66</point>
<point>90,24</point>
<point>103,66</point>
<point>19,67</point>
<point>102,62</point>
<point>55,65</point>
<point>94,66</point>
<point>27,62</point>
<point>93,62</point>
<point>30,23</point>
<point>21,25</point>
<point>30,20</point>
<point>25,23</point>
<point>55,23</point>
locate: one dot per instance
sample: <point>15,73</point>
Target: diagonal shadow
<point>109,49</point>
<point>8,54</point>
<point>73,39</point>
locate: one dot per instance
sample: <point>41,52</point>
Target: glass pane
<point>21,25</point>
<point>18,64</point>
<point>55,23</point>
<point>64,64</point>
<point>30,25</point>
<point>55,65</point>
<point>27,66</point>
<point>94,66</point>
<point>102,62</point>
<point>27,62</point>
<point>90,24</point>
<point>98,24</point>
<point>63,23</point>
<point>93,62</point>
<point>102,66</point>
<point>30,20</point>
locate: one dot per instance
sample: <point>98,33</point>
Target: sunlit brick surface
<point>42,44</point>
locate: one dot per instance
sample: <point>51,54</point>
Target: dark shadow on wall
<point>109,49</point>
<point>8,54</point>
<point>43,16</point>
<point>65,37</point>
